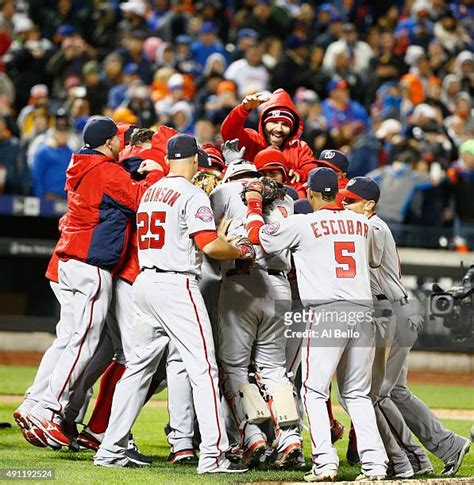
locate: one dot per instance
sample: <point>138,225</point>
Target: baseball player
<point>174,224</point>
<point>271,163</point>
<point>253,333</point>
<point>120,316</point>
<point>101,198</point>
<point>279,126</point>
<point>397,406</point>
<point>331,253</point>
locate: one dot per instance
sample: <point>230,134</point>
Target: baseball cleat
<point>137,457</point>
<point>235,454</point>
<point>35,437</point>
<point>20,419</point>
<point>86,440</point>
<point>288,457</point>
<point>327,476</point>
<point>391,474</point>
<point>227,467</point>
<point>369,478</point>
<point>251,457</point>
<point>337,431</point>
<point>424,471</point>
<point>452,466</point>
<point>182,457</point>
<point>123,463</point>
<point>52,431</point>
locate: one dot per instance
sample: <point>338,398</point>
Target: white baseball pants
<point>168,306</point>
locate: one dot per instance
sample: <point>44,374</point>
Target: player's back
<point>332,256</point>
<point>385,274</point>
<point>170,212</point>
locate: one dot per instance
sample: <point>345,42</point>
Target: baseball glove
<point>270,190</point>
<point>205,181</point>
<point>247,251</point>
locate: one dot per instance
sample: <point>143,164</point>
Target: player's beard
<point>275,138</point>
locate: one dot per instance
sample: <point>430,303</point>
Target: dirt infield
<point>430,481</point>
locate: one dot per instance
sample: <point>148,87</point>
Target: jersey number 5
<point>342,251</point>
<point>151,223</point>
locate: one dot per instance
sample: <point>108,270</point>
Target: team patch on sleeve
<point>205,214</point>
<point>271,229</point>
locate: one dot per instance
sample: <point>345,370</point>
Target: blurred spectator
<point>112,70</point>
<point>12,173</point>
<point>134,13</point>
<point>267,20</point>
<point>461,182</point>
<point>204,131</point>
<point>7,12</point>
<point>218,106</point>
<point>39,98</point>
<point>386,65</point>
<point>249,73</point>
<point>339,110</point>
<point>294,61</point>
<point>26,63</point>
<point>359,52</point>
<point>418,28</point>
<point>68,60</point>
<point>96,88</point>
<point>245,38</point>
<point>398,183</point>
<point>132,53</point>
<point>101,30</point>
<point>139,103</point>
<point>118,93</point>
<point>273,52</point>
<point>452,36</point>
<point>51,161</point>
<point>333,33</point>
<point>464,69</point>
<point>207,45</point>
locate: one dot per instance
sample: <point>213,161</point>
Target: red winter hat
<point>215,156</point>
<point>281,114</point>
<point>271,159</point>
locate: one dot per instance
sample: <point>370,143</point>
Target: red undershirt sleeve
<point>203,238</point>
<point>254,220</point>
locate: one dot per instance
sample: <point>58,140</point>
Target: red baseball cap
<point>271,159</point>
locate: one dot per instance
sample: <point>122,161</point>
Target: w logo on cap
<point>329,154</point>
<point>275,113</point>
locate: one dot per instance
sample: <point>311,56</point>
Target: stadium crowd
<point>389,84</point>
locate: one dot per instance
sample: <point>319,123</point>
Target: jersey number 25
<point>342,251</point>
<point>151,223</point>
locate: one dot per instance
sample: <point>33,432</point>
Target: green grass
<point>78,468</point>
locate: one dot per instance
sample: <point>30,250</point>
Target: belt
<point>271,272</point>
<point>381,297</point>
<point>158,270</point>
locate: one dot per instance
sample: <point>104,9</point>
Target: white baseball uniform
<point>402,411</point>
<point>168,306</point>
<point>331,254</point>
<point>254,332</point>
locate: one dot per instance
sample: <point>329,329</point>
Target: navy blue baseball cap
<point>247,32</point>
<point>333,159</point>
<point>323,180</point>
<point>361,188</point>
<point>181,146</point>
<point>98,130</point>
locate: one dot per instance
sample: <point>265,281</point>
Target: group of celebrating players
<point>176,265</point>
